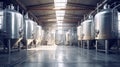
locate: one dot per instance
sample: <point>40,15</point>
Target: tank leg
<point>81,44</point>
<point>78,43</point>
<point>27,46</point>
<point>88,44</point>
<point>4,47</point>
<point>118,46</point>
<point>106,46</point>
<point>96,46</point>
<point>19,46</point>
<point>70,43</point>
<point>9,46</point>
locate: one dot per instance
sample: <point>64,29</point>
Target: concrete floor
<point>66,56</point>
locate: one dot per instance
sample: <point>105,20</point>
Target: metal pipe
<point>1,5</point>
<point>23,6</point>
<point>116,6</point>
<point>97,8</point>
<point>105,1</point>
<point>22,12</point>
<point>18,8</point>
<point>84,17</point>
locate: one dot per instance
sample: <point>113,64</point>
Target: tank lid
<point>26,15</point>
<point>106,6</point>
<point>90,17</point>
<point>11,7</point>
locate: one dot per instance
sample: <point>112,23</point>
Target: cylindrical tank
<point>106,24</point>
<point>1,16</point>
<point>11,28</point>
<point>118,25</point>
<point>87,30</point>
<point>28,28</point>
<point>79,32</point>
<point>1,20</point>
<point>28,32</point>
<point>67,37</point>
<point>42,37</point>
<point>35,30</point>
<point>93,30</point>
<point>12,23</point>
<point>38,34</point>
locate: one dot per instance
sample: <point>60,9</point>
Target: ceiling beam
<point>48,17</point>
<point>68,17</point>
<point>80,5</point>
<point>45,15</point>
<point>68,4</point>
<point>66,14</point>
<point>41,5</point>
<point>65,20</point>
<point>44,22</point>
<point>49,9</point>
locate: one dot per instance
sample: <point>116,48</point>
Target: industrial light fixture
<point>60,13</point>
<point>59,22</point>
<point>60,18</point>
<point>60,4</point>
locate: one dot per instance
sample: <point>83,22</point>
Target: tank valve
<point>96,33</point>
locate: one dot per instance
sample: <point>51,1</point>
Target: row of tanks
<point>85,33</point>
<point>71,37</point>
<point>17,31</point>
<point>101,31</point>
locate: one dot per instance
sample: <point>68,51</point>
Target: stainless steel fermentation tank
<point>71,36</point>
<point>118,28</point>
<point>38,35</point>
<point>80,35</point>
<point>60,38</point>
<point>35,34</point>
<point>79,32</point>
<point>67,38</point>
<point>11,30</point>
<point>106,27</point>
<point>118,25</point>
<point>88,33</point>
<point>28,32</point>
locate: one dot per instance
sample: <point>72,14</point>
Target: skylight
<point>60,4</point>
